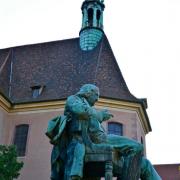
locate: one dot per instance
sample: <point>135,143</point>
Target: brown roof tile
<point>5,67</point>
<point>62,67</point>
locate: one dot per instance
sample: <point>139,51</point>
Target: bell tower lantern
<point>92,24</point>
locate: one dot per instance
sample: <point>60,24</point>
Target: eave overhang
<point>5,103</point>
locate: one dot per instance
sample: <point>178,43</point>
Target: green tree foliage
<point>9,166</point>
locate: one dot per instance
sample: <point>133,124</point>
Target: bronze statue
<point>80,128</point>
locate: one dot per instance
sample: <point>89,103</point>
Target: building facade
<point>36,79</point>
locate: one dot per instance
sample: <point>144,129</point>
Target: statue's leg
<point>124,145</point>
<point>75,161</point>
<point>147,171</point>
<point>78,160</point>
<point>132,154</point>
<point>131,168</point>
<point>69,161</point>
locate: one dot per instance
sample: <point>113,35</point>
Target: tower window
<point>90,16</point>
<point>20,138</point>
<point>98,15</point>
<point>115,128</point>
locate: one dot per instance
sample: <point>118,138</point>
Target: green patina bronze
<point>92,24</point>
<point>77,137</point>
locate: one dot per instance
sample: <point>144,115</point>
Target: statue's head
<point>90,92</point>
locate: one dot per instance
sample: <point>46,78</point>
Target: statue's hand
<point>106,115</point>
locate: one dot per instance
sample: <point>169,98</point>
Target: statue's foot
<point>75,178</point>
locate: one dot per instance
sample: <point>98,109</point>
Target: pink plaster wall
<point>38,151</point>
<point>3,126</point>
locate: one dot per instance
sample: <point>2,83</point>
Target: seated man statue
<point>80,127</point>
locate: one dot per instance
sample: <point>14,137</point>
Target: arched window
<point>20,138</point>
<point>115,128</point>
<point>98,15</point>
<point>90,16</point>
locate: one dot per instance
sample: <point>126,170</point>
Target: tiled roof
<point>62,67</point>
<point>5,67</point>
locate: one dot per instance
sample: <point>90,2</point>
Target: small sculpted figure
<point>79,128</point>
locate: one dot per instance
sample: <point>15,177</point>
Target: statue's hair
<point>86,89</point>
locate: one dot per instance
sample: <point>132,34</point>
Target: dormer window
<point>37,90</point>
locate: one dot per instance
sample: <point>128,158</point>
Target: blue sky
<point>145,38</point>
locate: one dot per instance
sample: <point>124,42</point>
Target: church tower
<point>92,24</point>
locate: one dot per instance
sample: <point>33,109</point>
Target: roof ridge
<point>39,43</point>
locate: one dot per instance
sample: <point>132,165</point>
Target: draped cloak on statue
<point>58,138</point>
